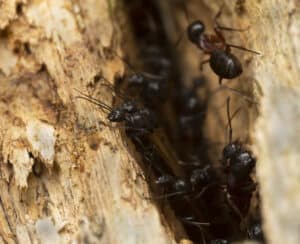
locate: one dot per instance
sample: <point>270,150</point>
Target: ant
<point>198,182</point>
<point>222,61</point>
<point>153,88</point>
<point>238,163</point>
<point>138,121</point>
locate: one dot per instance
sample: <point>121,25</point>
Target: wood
<point>87,186</point>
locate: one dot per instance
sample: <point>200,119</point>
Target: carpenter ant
<point>241,161</point>
<point>153,88</point>
<point>238,163</point>
<point>197,183</point>
<point>138,121</point>
<point>222,61</point>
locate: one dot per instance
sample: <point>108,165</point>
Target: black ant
<point>238,163</point>
<point>195,185</point>
<point>153,88</point>
<point>222,61</point>
<point>138,121</point>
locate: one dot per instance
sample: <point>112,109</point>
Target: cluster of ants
<point>211,201</point>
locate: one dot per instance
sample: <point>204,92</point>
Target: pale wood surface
<point>91,189</point>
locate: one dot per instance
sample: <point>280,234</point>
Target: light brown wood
<point>91,188</point>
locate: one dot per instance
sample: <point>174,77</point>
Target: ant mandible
<point>222,61</point>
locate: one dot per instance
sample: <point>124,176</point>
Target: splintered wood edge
<point>91,188</point>
<point>276,31</point>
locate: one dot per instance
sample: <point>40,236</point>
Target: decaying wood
<point>90,189</point>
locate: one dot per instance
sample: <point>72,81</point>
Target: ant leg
<point>231,29</point>
<point>202,63</point>
<point>219,27</point>
<point>233,206</point>
<point>189,220</point>
<point>248,98</point>
<point>177,193</point>
<point>243,48</point>
<point>193,164</point>
<point>198,225</point>
<point>201,192</point>
<point>220,80</point>
<point>219,13</point>
<point>178,41</point>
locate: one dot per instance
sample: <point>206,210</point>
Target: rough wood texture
<point>277,25</point>
<point>86,187</point>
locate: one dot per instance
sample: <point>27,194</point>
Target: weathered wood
<point>90,189</point>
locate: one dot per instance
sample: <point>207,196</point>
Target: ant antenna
<point>198,225</point>
<point>109,85</point>
<point>93,100</point>
<point>248,98</point>
<point>229,120</point>
<point>243,48</point>
<point>189,220</point>
<point>177,193</point>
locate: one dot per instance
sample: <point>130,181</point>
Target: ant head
<point>230,150</point>
<point>116,115</point>
<point>136,79</point>
<point>194,31</point>
<point>242,164</point>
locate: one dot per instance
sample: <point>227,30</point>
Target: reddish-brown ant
<point>222,61</point>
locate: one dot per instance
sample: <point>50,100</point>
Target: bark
<point>64,177</point>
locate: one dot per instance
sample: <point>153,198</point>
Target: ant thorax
<point>209,43</point>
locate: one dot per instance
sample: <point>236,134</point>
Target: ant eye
<point>194,31</point>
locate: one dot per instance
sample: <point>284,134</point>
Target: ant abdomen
<point>225,64</point>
